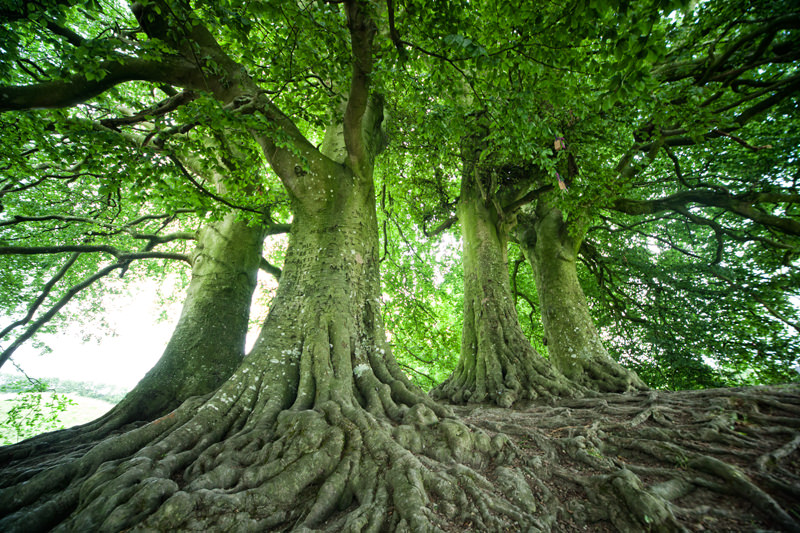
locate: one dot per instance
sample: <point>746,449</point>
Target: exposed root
<point>663,461</point>
<point>243,461</point>
<point>76,438</point>
<point>504,376</point>
<point>605,375</point>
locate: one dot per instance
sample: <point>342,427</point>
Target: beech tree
<point>135,126</point>
<point>556,165</point>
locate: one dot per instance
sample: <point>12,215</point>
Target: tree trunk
<point>208,342</point>
<point>205,348</point>
<point>317,420</point>
<point>497,362</point>
<point>573,342</point>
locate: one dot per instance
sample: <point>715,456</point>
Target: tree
<point>317,427</point>
<point>578,162</point>
<point>320,378</point>
<point>497,362</point>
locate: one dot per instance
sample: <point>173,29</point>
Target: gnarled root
<point>606,375</point>
<point>246,460</point>
<point>242,460</point>
<point>721,460</point>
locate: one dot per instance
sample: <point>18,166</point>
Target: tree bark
<point>497,363</point>
<point>318,419</point>
<point>574,345</point>
<point>208,342</point>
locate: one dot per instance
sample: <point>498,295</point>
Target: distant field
<point>85,410</point>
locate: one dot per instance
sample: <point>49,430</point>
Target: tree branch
<point>362,33</point>
<point>77,89</point>
<point>742,205</point>
<point>162,108</point>
<point>71,36</point>
<point>113,229</point>
<point>269,268</point>
<point>122,256</point>
<point>440,228</point>
<point>205,191</point>
<point>528,198</point>
<point>42,295</point>
<point>47,316</point>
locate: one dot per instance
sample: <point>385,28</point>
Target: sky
<point>139,326</point>
<point>120,356</point>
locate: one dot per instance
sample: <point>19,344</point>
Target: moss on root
<point>686,461</point>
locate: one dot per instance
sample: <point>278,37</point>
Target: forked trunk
<point>324,328</point>
<point>497,362</point>
<point>574,345</point>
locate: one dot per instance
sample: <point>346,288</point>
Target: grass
<point>84,410</point>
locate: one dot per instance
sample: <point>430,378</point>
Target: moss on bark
<point>497,362</point>
<point>317,429</point>
<point>573,343</point>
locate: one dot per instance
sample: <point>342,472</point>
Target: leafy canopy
<point>679,129</point>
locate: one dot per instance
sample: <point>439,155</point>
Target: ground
<point>712,460</point>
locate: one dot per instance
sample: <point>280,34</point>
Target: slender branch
<point>655,237</point>
<point>113,229</point>
<point>205,191</point>
<point>774,312</point>
<point>423,374</point>
<point>162,108</point>
<point>145,218</point>
<point>394,35</point>
<point>719,231</point>
<point>415,356</point>
<point>50,313</point>
<point>440,228</point>
<point>528,198</point>
<point>771,310</point>
<point>42,295</point>
<point>37,382</point>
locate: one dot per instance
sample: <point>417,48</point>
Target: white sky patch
<point>654,246</point>
<point>448,248</point>
<point>136,342</point>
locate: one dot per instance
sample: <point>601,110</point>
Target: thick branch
<point>742,205</point>
<point>77,89</point>
<point>122,256</point>
<point>269,268</point>
<point>277,229</point>
<point>71,36</point>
